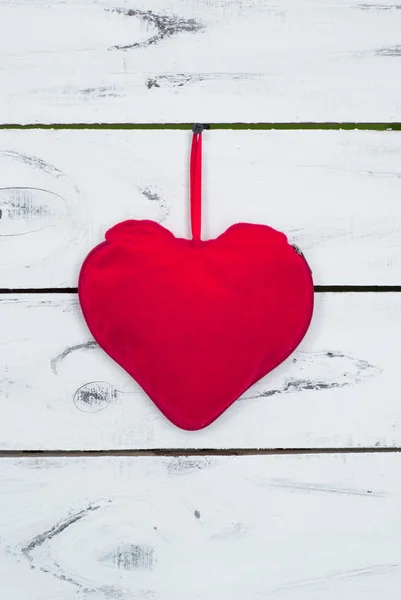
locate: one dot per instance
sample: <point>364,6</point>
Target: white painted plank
<point>169,60</point>
<point>60,391</point>
<point>288,527</point>
<point>335,193</point>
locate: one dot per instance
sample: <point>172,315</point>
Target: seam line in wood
<point>389,126</point>
<point>194,452</point>
<point>317,288</point>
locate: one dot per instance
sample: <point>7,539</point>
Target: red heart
<point>196,323</point>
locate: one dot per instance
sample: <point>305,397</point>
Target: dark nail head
<point>199,127</point>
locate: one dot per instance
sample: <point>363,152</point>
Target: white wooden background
<point>205,60</point>
<point>287,527</point>
<point>335,193</point>
<point>294,493</point>
<point>340,389</point>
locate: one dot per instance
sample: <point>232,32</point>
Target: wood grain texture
<point>175,61</point>
<point>335,193</point>
<point>293,528</point>
<point>60,391</point>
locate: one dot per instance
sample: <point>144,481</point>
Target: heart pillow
<point>195,322</point>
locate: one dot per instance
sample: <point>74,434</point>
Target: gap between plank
<point>166,452</point>
<point>317,288</point>
<point>238,126</point>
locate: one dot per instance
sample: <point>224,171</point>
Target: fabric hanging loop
<point>196,180</point>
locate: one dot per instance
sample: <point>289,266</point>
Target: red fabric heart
<point>196,322</point>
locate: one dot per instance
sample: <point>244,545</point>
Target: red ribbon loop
<point>196,185</point>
